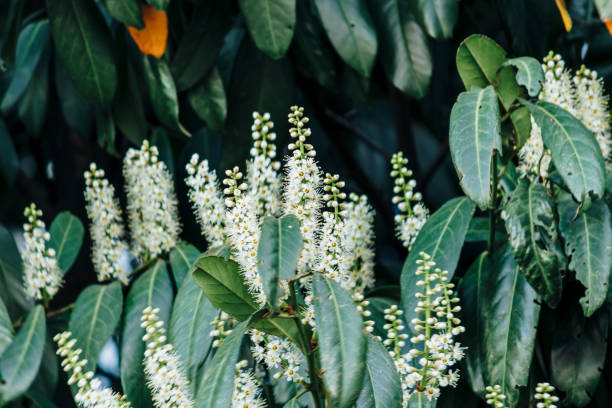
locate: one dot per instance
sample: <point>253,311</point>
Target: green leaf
<point>441,237</point>
<point>478,231</point>
<point>578,354</point>
<point>105,129</point>
<point>6,328</point>
<point>159,138</point>
<point>473,295</point>
<point>588,241</point>
<point>474,134</point>
<point>278,252</point>
<point>609,177</point>
<point>404,50</point>
<point>9,161</point>
<point>349,27</point>
<point>96,314</point>
<point>32,41</point>
<point>521,123</point>
<point>46,379</point>
<point>198,50</point>
<point>381,383</point>
<point>154,289</point>
<point>162,93</point>
<point>20,361</point>
<point>208,100</point>
<point>574,150</point>
<point>75,109</point>
<point>218,384</point>
<point>182,258</point>
<point>604,9</point>
<point>342,348</point>
<point>66,238</point>
<point>84,44</point>
<point>159,4</point>
<point>189,330</point>
<point>438,16</point>
<point>270,24</point>
<point>532,236</point>
<point>506,87</point>
<point>478,59</point>
<point>33,106</point>
<point>127,11</point>
<point>510,328</point>
<point>529,73</point>
<point>11,277</point>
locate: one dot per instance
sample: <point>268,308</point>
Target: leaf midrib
<point>26,343</point>
<point>93,321</point>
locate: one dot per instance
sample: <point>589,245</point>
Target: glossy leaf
<point>442,238</point>
<point>6,328</point>
<point>437,16</point>
<point>94,319</point>
<point>20,361</point>
<point>529,73</point>
<point>84,44</point>
<point>278,252</point>
<point>270,24</point>
<point>349,27</point>
<point>32,108</point>
<point>574,150</point>
<point>218,384</point>
<point>75,109</point>
<point>532,236</point>
<point>126,11</point>
<point>479,231</point>
<point>208,100</point>
<point>189,329</point>
<point>182,258</point>
<point>153,288</point>
<point>66,238</point>
<point>588,242</point>
<point>478,59</point>
<point>11,277</point>
<point>128,110</point>
<point>404,50</point>
<point>510,328</point>
<point>342,350</point>
<point>9,161</point>
<point>474,134</point>
<point>521,123</point>
<point>159,4</point>
<point>381,383</point>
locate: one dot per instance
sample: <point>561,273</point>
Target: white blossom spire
<point>247,393</point>
<point>358,242</point>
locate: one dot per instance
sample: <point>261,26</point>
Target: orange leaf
<point>153,37</point>
<point>608,24</point>
<point>567,20</point>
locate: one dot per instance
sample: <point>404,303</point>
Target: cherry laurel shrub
<point>282,308</point>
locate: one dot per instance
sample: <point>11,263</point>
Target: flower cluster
<point>110,253</point>
<point>494,396</point>
<point>358,241</point>
<point>276,352</point>
<point>166,380</point>
<point>436,328</point>
<point>42,276</point>
<point>152,204</point>
<point>413,213</point>
<point>544,396</point>
<point>220,332</point>
<point>246,388</point>
<point>206,199</point>
<point>89,394</point>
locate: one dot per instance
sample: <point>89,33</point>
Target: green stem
<point>427,331</point>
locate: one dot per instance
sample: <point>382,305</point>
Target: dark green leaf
<point>33,106</point>
<point>198,50</point>
<point>84,45</point>
<point>218,383</point>
<point>20,361</point>
<point>609,177</point>
<point>270,23</point>
<point>529,73</point>
<point>9,161</point>
<point>208,100</point>
<point>506,87</point>
<point>96,314</point>
<point>11,277</point>
<point>182,258</point>
<point>349,27</point>
<point>510,328</point>
<point>381,383</point>
<point>532,236</point>
<point>479,231</point>
<point>6,328</point>
<point>127,11</point>
<point>588,241</point>
<point>438,16</point>
<point>474,134</point>
<point>278,252</point>
<point>154,289</point>
<point>403,47</point>
<point>574,150</point>
<point>105,129</point>
<point>46,380</point>
<point>342,348</point>
<point>159,4</point>
<point>521,122</point>
<point>441,237</point>
<point>190,327</point>
<point>478,59</point>
<point>32,41</point>
<point>578,354</point>
<point>66,238</point>
<point>76,110</point>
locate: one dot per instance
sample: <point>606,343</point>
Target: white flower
<point>276,353</point>
<point>207,200</point>
<point>494,396</point>
<point>246,392</point>
<point>110,253</point>
<point>220,332</point>
<point>89,394</point>
<point>358,240</point>
<point>152,204</point>
<point>42,276</point>
<point>544,396</point>
<point>165,377</point>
